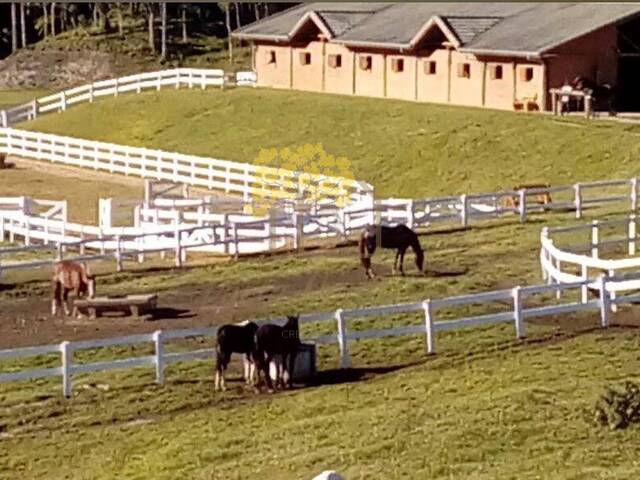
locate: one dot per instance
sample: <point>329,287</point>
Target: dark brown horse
<point>399,237</point>
<point>70,276</point>
<point>235,339</point>
<point>279,345</point>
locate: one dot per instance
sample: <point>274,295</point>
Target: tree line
<point>24,23</point>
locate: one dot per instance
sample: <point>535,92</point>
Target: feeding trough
<point>305,366</point>
<point>130,305</point>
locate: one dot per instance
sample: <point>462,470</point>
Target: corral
<point>471,410</point>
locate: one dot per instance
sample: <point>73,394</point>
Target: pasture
<point>485,406</point>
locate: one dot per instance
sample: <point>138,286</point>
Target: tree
<point>23,26</point>
<point>163,44</point>
<point>14,28</point>
<point>45,25</point>
<point>53,19</point>
<point>151,20</point>
<point>228,25</point>
<point>185,37</point>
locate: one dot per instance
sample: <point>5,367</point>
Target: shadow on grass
<point>168,313</point>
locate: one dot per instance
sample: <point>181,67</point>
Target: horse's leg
<point>395,263</point>
<point>402,252</point>
<point>292,367</point>
<point>267,373</point>
<point>222,360</point>
<point>55,301</point>
<point>65,301</point>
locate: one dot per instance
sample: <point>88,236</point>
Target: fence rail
<point>518,311</point>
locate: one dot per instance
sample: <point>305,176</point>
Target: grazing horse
<point>399,237</point>
<point>235,339</point>
<point>280,345</point>
<point>68,276</point>
<point>603,95</point>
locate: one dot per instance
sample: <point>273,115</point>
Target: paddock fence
<point>517,307</point>
<point>176,78</point>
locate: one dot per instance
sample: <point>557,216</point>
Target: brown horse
<point>278,345</point>
<point>68,276</point>
<point>399,237</point>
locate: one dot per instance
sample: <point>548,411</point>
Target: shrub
<point>618,408</point>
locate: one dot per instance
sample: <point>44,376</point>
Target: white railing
<point>178,77</point>
<point>517,312</point>
<point>567,263</point>
<point>221,175</point>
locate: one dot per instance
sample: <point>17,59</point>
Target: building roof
<point>478,27</point>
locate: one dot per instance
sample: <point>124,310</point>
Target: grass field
<point>486,406</point>
<point>402,148</point>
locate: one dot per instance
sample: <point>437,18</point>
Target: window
<point>526,74</point>
<point>365,62</point>
<point>305,58</point>
<point>496,72</point>
<point>271,56</point>
<point>397,64</point>
<point>335,61</point>
<point>464,70</point>
<point>430,67</point>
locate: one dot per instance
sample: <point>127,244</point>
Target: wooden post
<point>34,109</point>
<point>632,232</point>
<point>523,205</point>
<point>517,312</point>
<point>585,287</point>
<point>118,254</point>
<point>605,304</point>
<point>410,218</point>
<point>464,210</point>
<point>430,334</point>
<point>115,88</point>
<point>63,101</point>
<point>91,93</point>
<point>67,368</point>
<point>3,118</point>
<point>236,243</point>
<point>159,356</point>
<point>578,200</point>
<point>595,238</point>
<point>178,247</point>
<point>612,293</point>
<point>634,194</point>
<point>558,268</point>
<point>342,340</point>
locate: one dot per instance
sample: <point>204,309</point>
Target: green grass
<point>486,406</point>
<point>402,148</point>
<point>11,98</point>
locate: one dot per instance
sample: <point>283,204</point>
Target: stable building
<point>496,55</point>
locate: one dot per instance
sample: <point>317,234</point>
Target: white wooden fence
<point>581,261</point>
<point>178,77</point>
<point>345,320</point>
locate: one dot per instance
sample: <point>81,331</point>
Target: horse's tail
<point>365,258</point>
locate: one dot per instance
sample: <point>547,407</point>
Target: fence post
<point>585,286</point>
<point>115,93</point>
<point>410,219</point>
<point>34,108</point>
<point>577,189</point>
<point>595,238</point>
<point>63,101</point>
<point>634,194</point>
<point>2,228</point>
<point>612,294</point>
<point>523,205</point>
<point>67,367</point>
<point>91,93</point>
<point>342,340</point>
<point>3,118</point>
<point>177,78</point>
<point>236,243</point>
<point>632,232</point>
<point>59,252</point>
<point>605,303</point>
<point>464,212</point>
<point>517,312</point>
<point>298,224</point>
<point>118,254</point>
<point>178,247</point>
<point>159,351</point>
<point>430,334</point>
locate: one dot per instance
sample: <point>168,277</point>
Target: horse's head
<point>291,328</point>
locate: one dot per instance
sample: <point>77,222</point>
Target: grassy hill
<point>402,148</point>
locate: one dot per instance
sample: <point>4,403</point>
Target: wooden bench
<point>543,198</point>
<point>131,305</point>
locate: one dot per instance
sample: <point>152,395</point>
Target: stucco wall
<point>499,91</point>
<point>533,88</point>
<point>273,74</point>
<point>402,84</point>
<point>308,77</point>
<point>339,80</point>
<point>371,82</point>
<point>466,91</point>
<point>433,88</point>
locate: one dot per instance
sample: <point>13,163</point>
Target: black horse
<point>602,95</point>
<point>273,341</point>
<point>399,237</point>
<point>236,339</point>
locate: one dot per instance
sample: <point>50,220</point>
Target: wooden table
<point>557,105</point>
<point>132,305</point>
